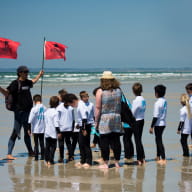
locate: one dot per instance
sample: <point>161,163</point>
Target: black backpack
<point>9,100</point>
<point>126,113</point>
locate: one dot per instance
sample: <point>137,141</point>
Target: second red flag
<point>54,50</point>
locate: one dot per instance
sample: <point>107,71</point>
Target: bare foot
<point>162,162</point>
<point>104,166</point>
<point>78,165</point>
<point>48,164</point>
<point>86,165</point>
<point>93,145</point>
<point>143,162</point>
<point>139,162</point>
<point>11,157</point>
<point>117,165</point>
<point>99,160</point>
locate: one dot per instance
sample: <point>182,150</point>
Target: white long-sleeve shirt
<point>160,111</point>
<point>51,122</point>
<point>85,111</point>
<point>66,117</point>
<point>36,118</point>
<point>138,108</point>
<point>187,129</point>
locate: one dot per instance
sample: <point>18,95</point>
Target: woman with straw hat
<point>108,118</point>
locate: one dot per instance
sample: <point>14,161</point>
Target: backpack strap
<point>19,85</point>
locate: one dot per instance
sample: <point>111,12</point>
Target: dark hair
<point>54,101</point>
<point>83,94</point>
<point>69,98</point>
<point>188,86</point>
<point>95,90</point>
<point>62,93</point>
<point>160,90</point>
<point>137,88</point>
<point>37,98</point>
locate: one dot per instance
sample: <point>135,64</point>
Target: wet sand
<point>25,174</point>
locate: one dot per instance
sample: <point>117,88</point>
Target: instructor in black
<point>22,99</point>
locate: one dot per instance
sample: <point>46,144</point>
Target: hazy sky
<point>100,33</point>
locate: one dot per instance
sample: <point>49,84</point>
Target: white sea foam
<point>83,77</point>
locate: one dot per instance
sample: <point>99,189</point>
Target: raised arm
<point>38,76</point>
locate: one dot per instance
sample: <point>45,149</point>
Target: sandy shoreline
<point>24,174</point>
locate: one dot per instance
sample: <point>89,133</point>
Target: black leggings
<point>110,140</point>
<point>184,144</point>
<point>39,139</point>
<point>84,146</point>
<point>50,149</point>
<point>128,144</point>
<point>159,142</point>
<point>96,140</point>
<point>66,136</point>
<point>137,131</point>
<point>75,140</point>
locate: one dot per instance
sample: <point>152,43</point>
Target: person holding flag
<point>22,99</point>
<point>20,88</point>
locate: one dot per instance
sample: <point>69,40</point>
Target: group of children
<point>57,123</point>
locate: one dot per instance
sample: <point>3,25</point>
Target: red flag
<point>54,50</point>
<point>8,48</point>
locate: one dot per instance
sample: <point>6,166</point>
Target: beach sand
<point>25,174</point>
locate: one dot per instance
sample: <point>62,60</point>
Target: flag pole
<point>42,67</point>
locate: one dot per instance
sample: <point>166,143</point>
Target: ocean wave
<point>56,77</point>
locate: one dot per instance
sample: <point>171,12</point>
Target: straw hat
<point>107,75</point>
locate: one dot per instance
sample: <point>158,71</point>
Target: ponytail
<point>185,101</point>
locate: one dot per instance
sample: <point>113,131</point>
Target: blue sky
<point>107,34</point>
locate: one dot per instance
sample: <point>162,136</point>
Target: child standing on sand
<point>66,126</point>
<point>138,110</point>
<point>185,123</point>
<point>159,122</point>
<point>85,116</point>
<point>36,120</point>
<point>51,130</point>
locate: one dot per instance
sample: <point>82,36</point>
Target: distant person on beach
<point>36,120</point>
<point>52,131</point>
<point>20,89</point>
<point>184,127</point>
<point>138,110</point>
<point>85,120</point>
<point>159,122</point>
<point>108,118</point>
<point>66,126</point>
